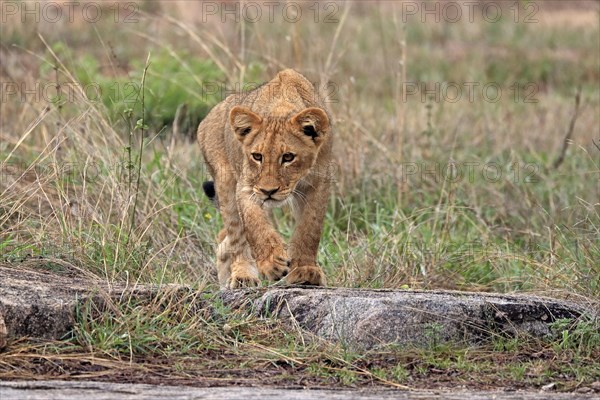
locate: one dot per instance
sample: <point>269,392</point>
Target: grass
<point>166,342</point>
<point>98,170</point>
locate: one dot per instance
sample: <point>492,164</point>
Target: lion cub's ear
<point>313,122</point>
<point>243,121</point>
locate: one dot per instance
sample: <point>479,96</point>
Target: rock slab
<point>43,304</point>
<point>368,319</point>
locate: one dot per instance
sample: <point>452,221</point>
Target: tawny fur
<point>247,141</point>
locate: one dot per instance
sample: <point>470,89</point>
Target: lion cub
<point>268,148</point>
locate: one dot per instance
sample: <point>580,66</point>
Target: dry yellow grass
<point>69,185</point>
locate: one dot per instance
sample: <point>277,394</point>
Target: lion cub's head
<point>278,152</point>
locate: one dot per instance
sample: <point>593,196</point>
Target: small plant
<point>582,335</point>
<point>433,334</point>
<point>399,373</point>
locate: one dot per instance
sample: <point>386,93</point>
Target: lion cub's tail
<point>211,193</point>
<point>209,190</point>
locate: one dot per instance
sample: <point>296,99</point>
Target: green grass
<point>189,337</point>
<point>112,184</point>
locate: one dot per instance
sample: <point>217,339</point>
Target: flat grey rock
<point>367,319</point>
<point>69,390</point>
<point>42,305</point>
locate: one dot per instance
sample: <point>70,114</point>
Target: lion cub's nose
<point>269,192</point>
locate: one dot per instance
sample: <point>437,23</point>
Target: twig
<point>400,105</point>
<point>142,128</point>
<point>328,62</point>
<point>569,135</point>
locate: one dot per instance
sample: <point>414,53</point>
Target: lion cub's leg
<point>266,244</point>
<point>235,266</point>
<point>310,211</point>
<point>225,260</point>
<point>235,271</point>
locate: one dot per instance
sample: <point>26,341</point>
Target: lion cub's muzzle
<point>272,197</point>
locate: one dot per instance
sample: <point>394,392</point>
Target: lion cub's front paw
<point>243,275</point>
<point>306,275</point>
<point>275,267</point>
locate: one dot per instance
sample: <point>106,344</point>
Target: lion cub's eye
<point>287,157</point>
<point>257,156</point>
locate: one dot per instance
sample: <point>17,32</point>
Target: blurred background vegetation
<point>430,192</point>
